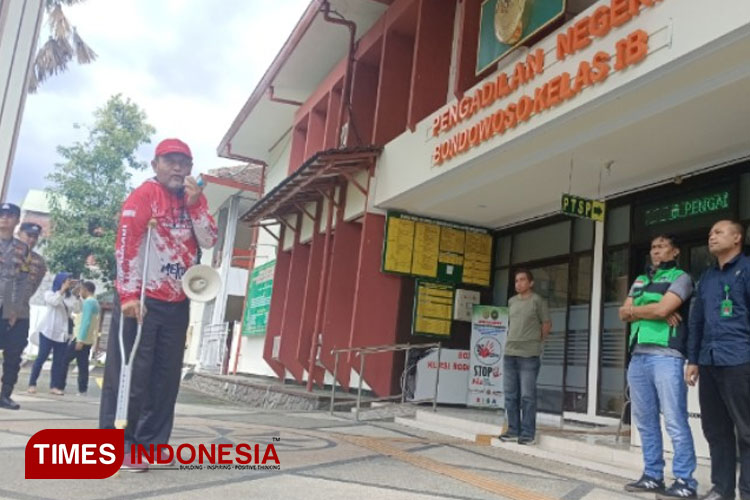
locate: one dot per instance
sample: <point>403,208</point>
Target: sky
<point>189,64</point>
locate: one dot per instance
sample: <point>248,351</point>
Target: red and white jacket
<point>174,241</point>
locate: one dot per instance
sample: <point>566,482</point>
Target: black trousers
<point>12,342</point>
<point>724,393</point>
<point>156,374</point>
<point>82,360</point>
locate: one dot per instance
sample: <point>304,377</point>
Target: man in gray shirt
<point>528,327</point>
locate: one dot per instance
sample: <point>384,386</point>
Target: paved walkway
<point>322,457</point>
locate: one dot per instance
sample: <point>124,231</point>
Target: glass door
<point>551,282</point>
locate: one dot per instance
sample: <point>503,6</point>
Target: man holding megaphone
<point>163,224</point>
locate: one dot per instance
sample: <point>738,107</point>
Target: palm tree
<point>63,43</point>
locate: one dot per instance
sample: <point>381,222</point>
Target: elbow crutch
<point>126,365</point>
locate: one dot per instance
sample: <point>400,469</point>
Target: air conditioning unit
<point>276,348</point>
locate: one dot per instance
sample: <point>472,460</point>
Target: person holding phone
<point>53,331</point>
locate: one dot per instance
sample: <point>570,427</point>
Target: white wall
<point>251,356</point>
<point>678,32</point>
<point>355,199</point>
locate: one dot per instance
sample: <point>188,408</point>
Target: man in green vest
<point>656,305</point>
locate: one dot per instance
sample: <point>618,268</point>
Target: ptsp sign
<point>582,207</point>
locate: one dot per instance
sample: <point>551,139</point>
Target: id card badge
<point>726,308</point>
<point>726,304</point>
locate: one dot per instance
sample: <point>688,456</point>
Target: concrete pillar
<point>19,31</point>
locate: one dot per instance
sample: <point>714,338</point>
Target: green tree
<point>88,188</point>
<point>63,43</point>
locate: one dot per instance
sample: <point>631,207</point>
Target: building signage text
<point>629,51</point>
<point>684,209</point>
<point>582,207</point>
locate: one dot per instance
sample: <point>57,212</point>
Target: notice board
<point>433,309</point>
<point>438,250</point>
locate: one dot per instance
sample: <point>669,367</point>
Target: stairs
<point>553,443</point>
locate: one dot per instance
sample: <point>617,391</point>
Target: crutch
<point>126,365</point>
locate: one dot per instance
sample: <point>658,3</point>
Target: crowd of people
<point>679,333</point>
<point>68,326</point>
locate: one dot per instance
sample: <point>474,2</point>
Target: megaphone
<point>201,283</point>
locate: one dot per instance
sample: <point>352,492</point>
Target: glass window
<point>745,196</point>
<point>583,235</point>
<point>612,356</point>
<point>618,225</point>
<point>500,293</point>
<point>502,251</point>
<point>541,243</point>
<point>577,342</point>
<point>700,260</point>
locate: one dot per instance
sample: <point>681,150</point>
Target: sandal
<point>31,389</point>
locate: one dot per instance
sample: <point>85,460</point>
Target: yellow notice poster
<point>452,243</point>
<point>440,250</point>
<point>433,309</point>
<point>426,249</point>
<point>400,245</point>
<point>478,258</point>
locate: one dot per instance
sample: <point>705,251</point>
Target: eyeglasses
<point>179,160</point>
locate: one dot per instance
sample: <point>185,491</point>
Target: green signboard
<point>506,24</point>
<point>693,211</point>
<point>582,207</point>
<point>693,206</point>
<point>258,301</point>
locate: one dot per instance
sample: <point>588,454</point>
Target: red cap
<point>173,146</point>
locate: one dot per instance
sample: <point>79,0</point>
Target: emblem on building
<point>510,18</point>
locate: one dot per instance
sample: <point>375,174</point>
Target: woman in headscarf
<point>54,333</point>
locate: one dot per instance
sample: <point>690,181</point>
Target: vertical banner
<point>258,302</point>
<point>489,327</point>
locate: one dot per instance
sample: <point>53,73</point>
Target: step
<point>598,458</point>
<point>573,456</point>
<point>437,429</point>
<point>471,427</point>
<point>611,455</point>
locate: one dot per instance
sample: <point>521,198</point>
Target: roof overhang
<point>310,53</point>
<point>218,190</point>
<point>312,181</point>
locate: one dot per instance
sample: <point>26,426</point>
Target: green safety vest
<point>650,290</point>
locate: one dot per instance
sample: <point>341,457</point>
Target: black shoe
<point>647,484</point>
<point>9,404</point>
<point>715,495</point>
<point>526,440</point>
<point>507,437</point>
<point>679,489</point>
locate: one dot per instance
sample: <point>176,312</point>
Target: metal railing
<point>213,347</point>
<point>362,352</point>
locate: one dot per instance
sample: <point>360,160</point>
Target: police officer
<point>34,268</point>
<point>13,255</point>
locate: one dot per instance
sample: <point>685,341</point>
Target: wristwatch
<point>509,20</point>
